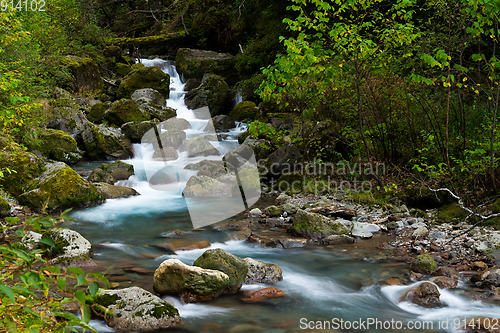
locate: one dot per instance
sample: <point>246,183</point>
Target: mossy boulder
<point>145,77</point>
<point>221,260</point>
<point>60,186</point>
<point>421,197</point>
<point>159,112</point>
<point>118,169</point>
<point>245,110</point>
<point>213,92</point>
<point>85,72</point>
<point>103,142</point>
<point>189,282</point>
<point>70,247</point>
<point>135,309</point>
<point>122,70</point>
<point>495,206</point>
<point>191,63</point>
<point>451,213</point>
<point>4,207</point>
<point>100,176</point>
<point>135,130</point>
<point>114,192</point>
<point>24,166</point>
<point>424,264</point>
<point>124,111</point>
<point>97,111</point>
<point>274,211</point>
<point>57,145</point>
<point>316,226</point>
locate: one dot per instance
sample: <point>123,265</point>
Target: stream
<point>321,283</point>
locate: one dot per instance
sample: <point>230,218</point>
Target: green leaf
<point>81,280</point>
<point>93,288</point>
<point>47,240</point>
<point>75,270</point>
<point>8,291</point>
<point>80,296</point>
<point>86,314</point>
<point>61,283</point>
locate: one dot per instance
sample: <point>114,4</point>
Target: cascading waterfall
<point>321,283</point>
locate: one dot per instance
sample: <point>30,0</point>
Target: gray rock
<point>420,231</point>
<point>135,309</point>
<point>261,272</point>
<point>178,123</point>
<point>255,212</point>
<point>203,186</point>
<point>199,147</point>
<point>30,239</point>
<point>364,230</point>
<point>312,225</point>
<point>148,95</point>
<point>437,234</point>
<point>70,246</point>
<point>418,225</point>
<point>165,154</point>
<point>338,240</point>
<point>115,192</point>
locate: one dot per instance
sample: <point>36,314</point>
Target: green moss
<point>192,63</point>
<point>97,111</point>
<point>451,213</point>
<point>274,211</point>
<point>122,69</point>
<point>106,299</point>
<point>313,225</point>
<point>85,72</point>
<point>163,309</point>
<point>426,263</point>
<point>4,207</point>
<point>146,77</point>
<point>245,110</point>
<point>124,111</point>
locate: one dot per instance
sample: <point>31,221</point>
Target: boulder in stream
<point>115,192</point>
<point>255,296</point>
<point>144,77</point>
<point>261,272</point>
<point>425,294</point>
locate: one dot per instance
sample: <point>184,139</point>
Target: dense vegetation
<point>412,84</point>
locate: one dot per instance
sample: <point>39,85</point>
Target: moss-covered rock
<point>191,63</point>
<point>4,207</point>
<point>425,264</point>
<point>451,213</point>
<point>124,111</point>
<point>60,186</point>
<point>274,211</point>
<point>70,246</point>
<point>421,197</point>
<point>316,226</point>
<point>118,169</point>
<point>114,192</point>
<point>135,309</point>
<point>97,111</point>
<point>145,77</point>
<point>189,282</point>
<point>57,145</point>
<point>135,130</point>
<point>85,72</point>
<point>221,260</point>
<point>23,166</point>
<point>100,176</point>
<point>213,92</point>
<point>245,110</point>
<point>103,142</point>
<point>122,70</point>
<point>159,112</point>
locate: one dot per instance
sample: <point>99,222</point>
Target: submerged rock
<point>191,283</point>
<point>261,272</point>
<point>135,309</point>
<point>425,294</point>
<point>444,282</point>
<point>219,259</point>
<point>260,295</point>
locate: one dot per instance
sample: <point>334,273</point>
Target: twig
<point>184,25</point>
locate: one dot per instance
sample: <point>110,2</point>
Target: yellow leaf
<point>465,79</point>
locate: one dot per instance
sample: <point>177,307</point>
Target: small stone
<point>420,231</point>
<point>255,212</point>
<point>260,295</point>
<point>478,266</point>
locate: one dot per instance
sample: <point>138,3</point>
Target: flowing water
<point>321,283</point>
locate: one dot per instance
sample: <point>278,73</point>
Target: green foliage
<point>33,293</point>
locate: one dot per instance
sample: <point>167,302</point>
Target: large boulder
<point>159,112</point>
<point>135,130</point>
<point>97,111</point>
<point>165,154</point>
<point>199,147</point>
<point>60,186</point>
<point>425,294</point>
<point>172,138</point>
<point>70,247</point>
<point>85,73</point>
<point>118,169</point>
<point>245,110</point>
<point>261,272</point>
<point>57,145</point>
<point>135,309</point>
<point>179,123</point>
<point>191,63</point>
<point>114,192</point>
<point>189,282</point>
<point>148,95</point>
<point>221,260</point>
<point>100,176</point>
<point>220,123</point>
<point>145,77</point>
<point>213,92</point>
<point>103,142</point>
<point>124,111</point>
<point>316,226</point>
<point>24,166</point>
<point>204,186</point>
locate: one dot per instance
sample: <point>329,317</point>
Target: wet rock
<point>135,309</point>
<point>244,110</point>
<point>492,280</point>
<point>444,282</point>
<point>220,123</point>
<point>178,123</point>
<point>449,272</point>
<point>199,147</point>
<point>479,276</point>
<point>240,235</point>
<point>171,138</point>
<point>219,259</point>
<point>114,192</point>
<point>261,272</point>
<point>213,93</point>
<point>277,242</point>
<point>148,95</point>
<point>312,225</point>
<point>124,111</point>
<point>135,130</point>
<point>186,244</point>
<point>478,266</point>
<point>273,211</point>
<point>118,169</point>
<point>393,281</point>
<point>100,176</point>
<point>201,164</point>
<point>338,240</point>
<point>214,170</point>
<point>165,154</point>
<point>191,283</point>
<point>192,63</point>
<point>191,84</point>
<point>425,294</point>
<point>260,295</point>
<point>425,264</point>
